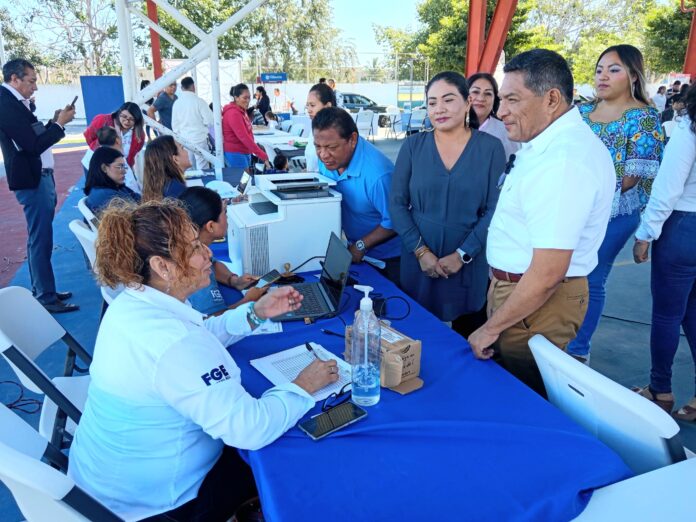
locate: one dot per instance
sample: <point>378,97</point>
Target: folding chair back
<point>89,216</point>
<point>87,238</point>
<point>42,492</point>
<point>643,434</point>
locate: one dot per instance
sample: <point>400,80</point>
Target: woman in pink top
<point>238,137</point>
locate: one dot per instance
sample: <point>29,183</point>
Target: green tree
<point>18,44</point>
<point>282,35</point>
<point>666,38</point>
<point>82,31</point>
<point>442,34</point>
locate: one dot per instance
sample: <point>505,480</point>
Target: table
<point>473,444</point>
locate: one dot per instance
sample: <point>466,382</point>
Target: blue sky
<point>356,17</point>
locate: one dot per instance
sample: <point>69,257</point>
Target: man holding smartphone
<point>26,147</point>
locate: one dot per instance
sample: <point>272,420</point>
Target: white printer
<point>287,219</point>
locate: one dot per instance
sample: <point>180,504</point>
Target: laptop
<point>323,298</point>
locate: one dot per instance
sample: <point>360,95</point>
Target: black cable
<point>305,262</point>
<point>632,321</point>
<point>21,403</point>
<point>384,305</point>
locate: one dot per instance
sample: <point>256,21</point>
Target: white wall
<point>52,97</point>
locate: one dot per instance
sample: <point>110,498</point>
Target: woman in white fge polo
<point>165,408</point>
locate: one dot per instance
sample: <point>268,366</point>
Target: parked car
<point>354,102</point>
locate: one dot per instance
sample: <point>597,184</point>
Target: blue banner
<point>276,77</point>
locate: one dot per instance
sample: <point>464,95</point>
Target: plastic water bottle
<point>365,352</point>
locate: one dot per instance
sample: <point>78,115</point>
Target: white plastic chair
<point>87,238</point>
<point>417,120</point>
<point>89,216</point>
<point>663,494</point>
<point>26,331</point>
<point>643,434</point>
<point>42,492</point>
<point>364,122</point>
<point>669,127</point>
<point>394,115</point>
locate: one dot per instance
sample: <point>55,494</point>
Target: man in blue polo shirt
<point>364,175</point>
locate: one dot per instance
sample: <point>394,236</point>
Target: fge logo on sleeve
<point>216,374</point>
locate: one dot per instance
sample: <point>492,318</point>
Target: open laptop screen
<point>335,271</point>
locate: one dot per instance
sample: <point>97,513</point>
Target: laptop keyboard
<point>313,302</point>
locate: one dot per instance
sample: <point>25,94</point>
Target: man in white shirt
<point>339,96</point>
<point>191,118</point>
<point>660,100</point>
<point>280,101</point>
<point>551,217</point>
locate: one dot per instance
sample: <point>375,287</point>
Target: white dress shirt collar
<point>164,301</point>
<point>541,142</point>
<point>16,94</point>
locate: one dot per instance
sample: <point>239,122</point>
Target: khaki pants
<point>558,320</point>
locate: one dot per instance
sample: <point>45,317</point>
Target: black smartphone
<point>332,420</point>
<point>73,102</point>
<point>270,278</point>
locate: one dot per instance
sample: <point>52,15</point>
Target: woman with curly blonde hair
<point>166,408</point>
<point>165,164</point>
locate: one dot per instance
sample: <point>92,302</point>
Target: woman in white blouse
<point>166,408</point>
<point>320,96</point>
<point>483,95</point>
<point>669,223</point>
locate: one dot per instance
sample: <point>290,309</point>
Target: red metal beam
<point>690,59</point>
<point>155,39</point>
<point>476,33</point>
<point>500,26</point>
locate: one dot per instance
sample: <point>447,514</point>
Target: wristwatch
<point>360,245</point>
<point>466,258</point>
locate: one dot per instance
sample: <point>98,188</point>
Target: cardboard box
<point>401,357</point>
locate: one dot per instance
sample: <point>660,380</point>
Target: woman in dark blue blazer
<point>106,179</point>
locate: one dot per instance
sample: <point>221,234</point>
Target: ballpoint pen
<point>331,332</point>
<point>311,350</point>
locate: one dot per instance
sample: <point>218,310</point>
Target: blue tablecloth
<point>473,444</point>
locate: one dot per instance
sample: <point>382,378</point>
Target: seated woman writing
<point>106,179</point>
<point>209,213</point>
<point>166,407</point>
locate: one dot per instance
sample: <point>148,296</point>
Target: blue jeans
<point>618,231</point>
<point>673,286</point>
<point>39,208</point>
<point>237,159</point>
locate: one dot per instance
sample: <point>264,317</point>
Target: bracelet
<point>253,318</point>
<point>421,252</point>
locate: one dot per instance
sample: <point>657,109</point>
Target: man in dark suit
<point>26,147</point>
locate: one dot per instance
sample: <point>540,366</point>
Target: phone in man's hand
<point>73,102</point>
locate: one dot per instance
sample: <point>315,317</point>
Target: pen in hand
<point>311,350</point>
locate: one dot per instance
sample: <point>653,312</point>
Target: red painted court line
<point>13,239</point>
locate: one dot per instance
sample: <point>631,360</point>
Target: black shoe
<point>59,307</point>
<point>63,296</point>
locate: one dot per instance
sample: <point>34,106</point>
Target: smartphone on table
<point>332,420</point>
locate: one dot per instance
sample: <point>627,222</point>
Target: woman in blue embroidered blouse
<point>623,119</point>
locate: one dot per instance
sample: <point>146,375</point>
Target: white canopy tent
<point>205,49</point>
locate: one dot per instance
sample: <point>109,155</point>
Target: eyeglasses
<point>335,399</point>
<point>119,166</point>
<point>126,118</point>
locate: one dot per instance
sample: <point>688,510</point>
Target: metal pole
<point>217,104</point>
<point>122,20</point>
<point>155,40</point>
<point>410,91</point>
<point>183,20</point>
<point>2,47</point>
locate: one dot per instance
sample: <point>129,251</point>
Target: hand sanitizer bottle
<point>365,352</point>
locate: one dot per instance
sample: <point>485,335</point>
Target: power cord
<point>22,403</point>
<point>305,262</point>
<point>632,321</point>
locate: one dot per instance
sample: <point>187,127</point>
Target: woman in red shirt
<point>239,142</point>
<point>128,122</point>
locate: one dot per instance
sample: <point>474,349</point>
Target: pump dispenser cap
<point>365,302</point>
